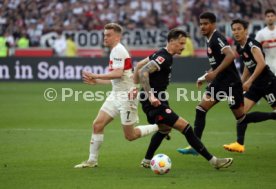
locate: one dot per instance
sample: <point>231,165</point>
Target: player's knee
<point>130,137</point>
<point>164,129</point>
<point>97,127</point>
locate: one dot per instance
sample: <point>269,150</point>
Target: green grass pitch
<point>41,141</point>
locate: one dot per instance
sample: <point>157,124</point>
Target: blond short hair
<point>114,26</point>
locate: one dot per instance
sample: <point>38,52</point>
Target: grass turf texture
<point>41,142</point>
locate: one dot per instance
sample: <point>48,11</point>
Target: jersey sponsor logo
<point>209,50</point>
<point>160,59</point>
<point>118,59</point>
<point>127,65</point>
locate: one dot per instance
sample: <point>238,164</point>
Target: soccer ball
<point>160,164</point>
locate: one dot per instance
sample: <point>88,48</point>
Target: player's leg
<point>106,114</point>
<point>250,99</point>
<point>97,137</point>
<point>253,96</point>
<point>129,116</point>
<point>201,110</point>
<point>236,104</point>
<point>155,142</point>
<point>184,127</point>
<point>241,127</point>
<point>255,117</point>
<point>133,133</point>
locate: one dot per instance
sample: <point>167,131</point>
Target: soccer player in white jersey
<point>118,102</point>
<point>267,37</point>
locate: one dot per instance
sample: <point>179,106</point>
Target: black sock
<point>155,142</point>
<point>199,121</point>
<point>252,117</point>
<point>196,143</point>
<point>241,128</point>
<point>255,117</point>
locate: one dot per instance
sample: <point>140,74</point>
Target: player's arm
<point>133,92</point>
<point>114,74</point>
<point>260,60</point>
<point>227,61</point>
<point>89,78</point>
<point>144,73</point>
<point>245,75</point>
<point>139,65</point>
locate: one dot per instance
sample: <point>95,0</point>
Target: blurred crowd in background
<point>30,19</point>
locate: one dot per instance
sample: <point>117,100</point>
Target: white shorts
<point>272,64</point>
<point>127,109</point>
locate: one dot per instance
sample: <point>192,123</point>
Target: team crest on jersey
<point>160,59</point>
<point>168,111</point>
<point>209,50</point>
<point>245,55</point>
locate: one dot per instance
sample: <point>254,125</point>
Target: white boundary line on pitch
<point>112,130</point>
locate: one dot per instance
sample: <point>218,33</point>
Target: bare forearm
<point>260,63</point>
<point>245,75</point>
<point>257,72</point>
<point>139,65</point>
<point>227,61</point>
<point>101,81</point>
<point>115,74</point>
<point>144,81</point>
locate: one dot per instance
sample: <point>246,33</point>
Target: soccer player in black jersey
<point>154,74</point>
<point>257,78</point>
<point>224,79</point>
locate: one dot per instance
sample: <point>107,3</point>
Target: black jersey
<point>249,61</point>
<point>215,45</point>
<point>160,79</point>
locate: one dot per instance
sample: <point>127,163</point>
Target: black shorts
<point>232,92</point>
<point>162,114</point>
<point>267,90</point>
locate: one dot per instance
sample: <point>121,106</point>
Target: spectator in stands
<point>3,46</point>
<point>23,41</point>
<point>189,48</point>
<point>59,44</point>
<point>71,47</point>
<point>38,17</point>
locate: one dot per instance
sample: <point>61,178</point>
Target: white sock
<point>147,129</point>
<point>213,160</point>
<point>95,144</point>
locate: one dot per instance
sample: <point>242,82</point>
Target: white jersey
<point>119,58</point>
<point>266,35</point>
<point>118,103</point>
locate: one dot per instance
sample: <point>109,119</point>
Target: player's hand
<point>199,83</point>
<point>246,85</point>
<point>133,93</point>
<point>154,101</point>
<point>210,76</point>
<point>88,78</point>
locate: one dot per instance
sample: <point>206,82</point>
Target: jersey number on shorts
<point>128,113</point>
<point>270,98</point>
<point>231,100</point>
